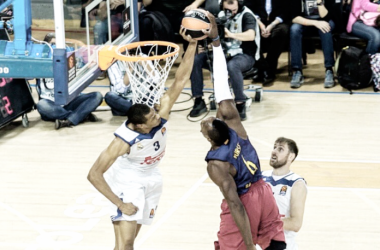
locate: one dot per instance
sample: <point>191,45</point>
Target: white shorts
<point>142,189</point>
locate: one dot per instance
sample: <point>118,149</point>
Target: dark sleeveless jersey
<point>242,155</point>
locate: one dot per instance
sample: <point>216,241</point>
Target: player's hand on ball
<point>128,208</point>
<point>188,38</point>
<point>192,6</point>
<point>213,31</point>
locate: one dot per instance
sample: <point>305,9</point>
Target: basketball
<point>194,21</point>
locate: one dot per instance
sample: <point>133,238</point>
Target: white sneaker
<point>248,99</point>
<point>248,102</point>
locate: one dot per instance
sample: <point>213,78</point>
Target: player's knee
<point>125,243</point>
<point>128,244</point>
<point>125,246</point>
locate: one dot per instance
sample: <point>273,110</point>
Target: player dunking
<point>249,212</point>
<point>126,171</point>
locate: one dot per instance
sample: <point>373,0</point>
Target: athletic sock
<point>221,86</point>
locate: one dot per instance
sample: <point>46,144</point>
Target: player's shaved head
<point>219,132</point>
<point>136,114</point>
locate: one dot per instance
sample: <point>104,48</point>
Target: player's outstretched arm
<point>227,109</point>
<point>219,173</point>
<point>117,148</point>
<point>181,77</point>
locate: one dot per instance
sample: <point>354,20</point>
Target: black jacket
<point>280,8</point>
<point>161,26</point>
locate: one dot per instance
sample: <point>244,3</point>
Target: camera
<point>230,46</point>
<point>223,20</point>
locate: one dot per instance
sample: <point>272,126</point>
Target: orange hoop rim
<point>134,45</point>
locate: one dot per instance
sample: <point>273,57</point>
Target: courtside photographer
<point>241,46</point>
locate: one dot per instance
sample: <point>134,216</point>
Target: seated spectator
<point>78,110</point>
<point>274,18</point>
<point>359,29</point>
<point>101,25</point>
<point>314,19</point>
<point>83,21</point>
<point>120,97</point>
<point>242,46</point>
<point>101,33</point>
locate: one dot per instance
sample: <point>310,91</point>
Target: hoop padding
<point>147,65</point>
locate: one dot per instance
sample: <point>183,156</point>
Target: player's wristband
<point>215,39</point>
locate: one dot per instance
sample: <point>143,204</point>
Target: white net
<point>148,74</point>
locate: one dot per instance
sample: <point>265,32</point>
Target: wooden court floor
<point>46,201</point>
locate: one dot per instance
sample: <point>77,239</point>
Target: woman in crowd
<point>359,29</point>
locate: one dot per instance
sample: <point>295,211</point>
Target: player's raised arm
<point>227,109</point>
<point>181,77</point>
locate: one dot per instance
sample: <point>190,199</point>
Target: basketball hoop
<point>147,65</point>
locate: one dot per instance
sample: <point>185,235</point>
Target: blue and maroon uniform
<point>254,193</point>
<point>242,155</point>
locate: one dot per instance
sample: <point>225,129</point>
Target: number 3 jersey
<point>146,150</point>
<point>242,155</point>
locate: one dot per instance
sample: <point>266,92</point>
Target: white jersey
<point>282,190</point>
<point>147,150</point>
<point>134,177</point>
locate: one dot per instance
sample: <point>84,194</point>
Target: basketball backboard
<point>79,33</point>
<point>104,24</point>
